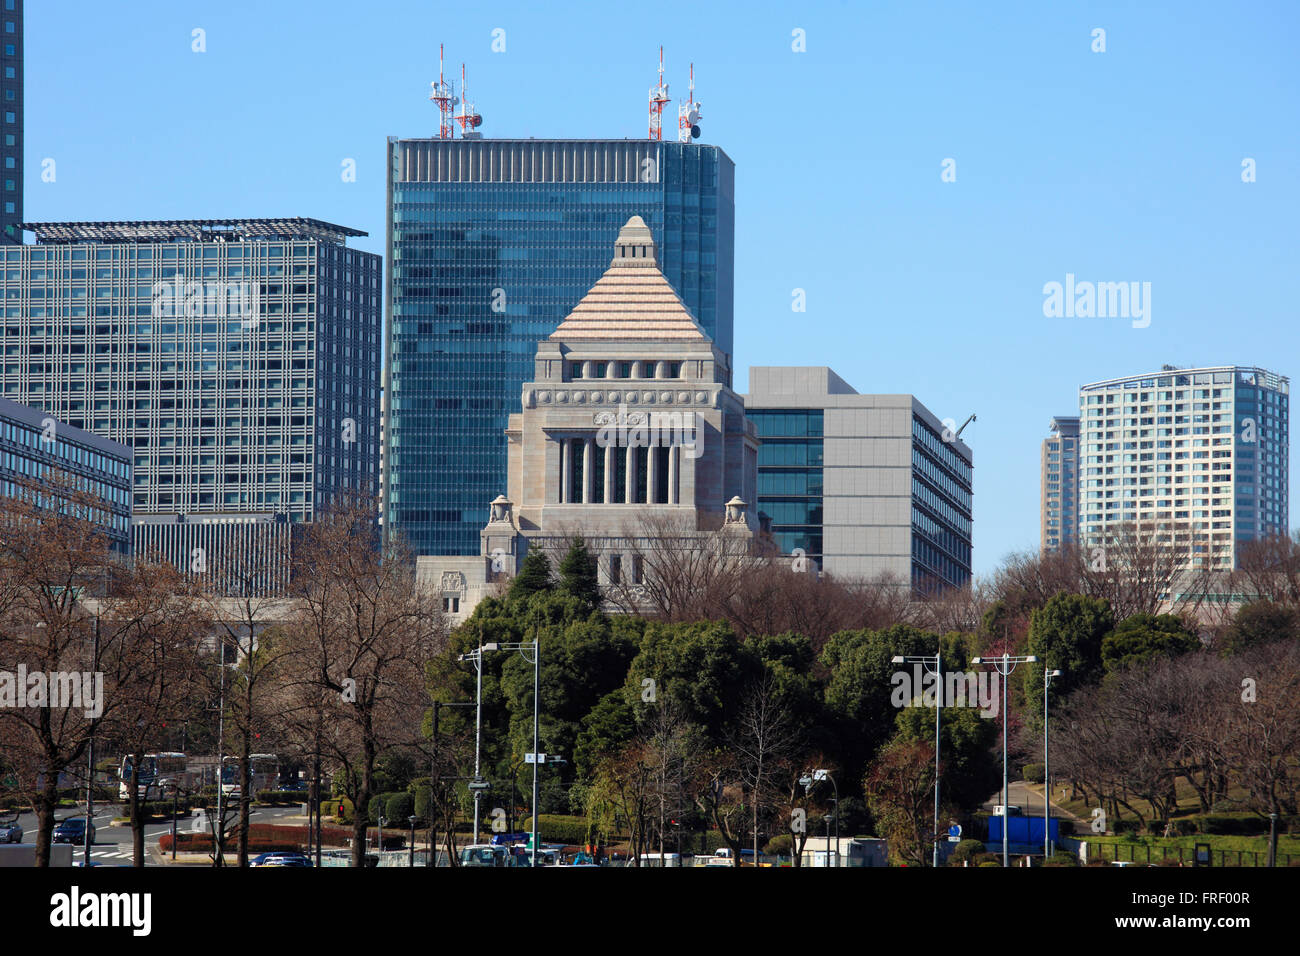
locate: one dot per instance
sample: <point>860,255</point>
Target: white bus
<point>264,769</point>
<point>158,774</point>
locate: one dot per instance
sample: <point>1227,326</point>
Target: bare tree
<point>764,739</point>
<point>54,554</point>
<point>360,638</point>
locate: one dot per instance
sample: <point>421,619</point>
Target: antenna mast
<point>442,96</point>
<point>658,99</point>
<point>688,115</point>
<point>468,119</point>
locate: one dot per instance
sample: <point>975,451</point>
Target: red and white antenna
<point>688,115</point>
<point>444,98</point>
<point>467,118</point>
<point>658,99</point>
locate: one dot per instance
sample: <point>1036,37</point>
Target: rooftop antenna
<point>688,115</point>
<point>467,118</point>
<point>658,99</point>
<point>444,98</point>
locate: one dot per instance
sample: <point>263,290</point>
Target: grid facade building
<point>1059,521</point>
<point>11,150</point>
<point>1197,453</point>
<point>33,445</point>
<point>864,485</point>
<point>491,243</point>
<point>237,359</point>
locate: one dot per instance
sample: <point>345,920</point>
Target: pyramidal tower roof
<point>632,300</point>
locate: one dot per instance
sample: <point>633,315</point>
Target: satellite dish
<point>695,132</point>
<point>693,117</point>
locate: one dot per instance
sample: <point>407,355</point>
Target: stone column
<point>566,471</point>
<point>629,483</point>
<point>610,452</point>
<point>673,452</point>
<point>651,472</point>
<point>586,470</point>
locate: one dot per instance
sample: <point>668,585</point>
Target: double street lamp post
<point>524,648</point>
<point>1004,665</point>
<point>1048,674</point>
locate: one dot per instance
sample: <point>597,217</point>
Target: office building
<point>11,150</point>
<point>1196,456</point>
<point>34,446</point>
<point>1059,491</point>
<point>864,485</point>
<point>629,434</point>
<point>490,244</point>
<point>237,359</point>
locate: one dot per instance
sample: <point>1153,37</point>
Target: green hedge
<point>1034,773</point>
<point>557,828</point>
<point>282,796</point>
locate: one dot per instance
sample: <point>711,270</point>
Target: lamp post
<point>525,648</point>
<point>1048,674</point>
<point>90,766</point>
<point>476,656</point>
<point>807,780</point>
<point>1004,665</point>
<point>927,660</point>
<point>411,862</point>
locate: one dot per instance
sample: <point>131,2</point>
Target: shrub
<point>964,851</point>
<point>1062,858</point>
<point>1224,824</point>
<point>422,802</point>
<point>1124,827</point>
<point>1066,827</point>
<point>780,845</point>
<point>399,808</point>
<point>1034,773</point>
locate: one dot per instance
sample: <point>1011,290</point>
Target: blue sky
<point>1117,166</point>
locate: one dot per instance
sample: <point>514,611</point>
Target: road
<point>113,844</point>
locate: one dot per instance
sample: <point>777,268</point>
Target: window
<point>451,605</point>
<point>615,569</point>
<point>575,370</point>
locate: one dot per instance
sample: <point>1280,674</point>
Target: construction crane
<point>963,426</point>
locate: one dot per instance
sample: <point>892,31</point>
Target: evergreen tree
<point>534,577</point>
<point>578,575</point>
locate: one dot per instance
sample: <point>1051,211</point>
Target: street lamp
<point>1004,665</point>
<point>927,660</point>
<point>1048,674</point>
<point>412,858</point>
<point>524,648</point>
<point>807,780</point>
<point>476,656</point>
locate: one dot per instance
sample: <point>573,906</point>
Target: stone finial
<point>501,509</point>
<point>635,245</point>
<point>736,510</point>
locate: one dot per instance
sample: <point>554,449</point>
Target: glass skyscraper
<point>491,243</point>
<point>11,150</point>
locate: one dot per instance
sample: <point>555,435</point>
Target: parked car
<point>73,830</point>
<point>11,832</point>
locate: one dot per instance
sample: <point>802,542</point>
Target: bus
<point>264,769</point>
<point>158,774</point>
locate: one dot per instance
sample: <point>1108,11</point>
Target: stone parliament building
<point>629,430</point>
